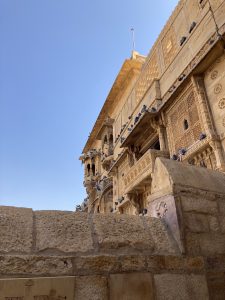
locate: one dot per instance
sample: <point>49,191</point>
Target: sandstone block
<point>164,244</point>
<point>63,231</point>
<point>35,265</point>
<point>155,262</point>
<point>221,203</point>
<point>122,231</point>
<point>132,262</point>
<point>180,287</point>
<point>16,226</point>
<point>174,262</point>
<point>131,286</point>
<point>214,223</point>
<point>216,285</point>
<point>216,263</point>
<point>91,287</point>
<point>196,222</point>
<point>200,205</point>
<point>212,244</point>
<point>222,224</point>
<point>192,243</point>
<point>37,288</point>
<point>194,263</point>
<point>96,264</point>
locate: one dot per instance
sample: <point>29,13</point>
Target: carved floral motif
<point>221,103</point>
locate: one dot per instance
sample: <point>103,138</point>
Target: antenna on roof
<point>133,39</point>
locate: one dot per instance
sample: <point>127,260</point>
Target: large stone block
<point>16,226</point>
<point>132,233</point>
<point>132,262</point>
<point>131,286</point>
<point>37,288</point>
<point>180,287</point>
<point>221,203</point>
<point>122,231</point>
<point>63,231</point>
<point>91,287</point>
<point>164,243</point>
<point>216,285</point>
<point>212,244</point>
<point>97,264</point>
<point>35,265</point>
<point>196,222</point>
<point>199,205</point>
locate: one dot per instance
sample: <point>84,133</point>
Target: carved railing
<point>142,169</point>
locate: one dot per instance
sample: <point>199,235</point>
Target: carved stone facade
<point>169,104</point>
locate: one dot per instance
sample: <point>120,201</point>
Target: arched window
<point>110,144</point>
<point>88,169</point>
<point>105,139</point>
<point>186,125</point>
<point>93,169</point>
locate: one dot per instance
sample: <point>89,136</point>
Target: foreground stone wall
<point>55,254</point>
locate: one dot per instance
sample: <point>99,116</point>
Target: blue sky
<point>58,61</point>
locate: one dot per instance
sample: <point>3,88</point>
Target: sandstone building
<point>157,150</point>
<point>169,104</point>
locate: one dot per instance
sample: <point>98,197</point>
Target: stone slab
<point>131,286</point>
<point>181,287</point>
<point>122,231</point>
<point>53,288</point>
<point>63,231</point>
<point>31,265</point>
<point>16,226</point>
<point>91,287</point>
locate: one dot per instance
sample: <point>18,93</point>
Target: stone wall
<point>47,254</point>
<point>177,252</point>
<point>105,256</point>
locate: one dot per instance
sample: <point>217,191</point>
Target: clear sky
<point>58,61</point>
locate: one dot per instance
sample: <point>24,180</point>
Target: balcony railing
<point>141,171</point>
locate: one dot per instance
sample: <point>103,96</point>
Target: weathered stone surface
<point>132,262</point>
<point>16,226</point>
<point>97,264</point>
<point>194,263</point>
<point>37,288</point>
<point>216,285</point>
<point>164,243</point>
<point>216,263</point>
<point>201,205</point>
<point>155,262</point>
<point>63,231</point>
<point>192,243</point>
<point>221,203</point>
<point>196,222</point>
<point>222,224</point>
<point>130,233</point>
<point>91,287</point>
<point>181,287</point>
<point>131,286</point>
<point>212,244</point>
<point>122,231</point>
<point>191,176</point>
<point>214,223</point>
<point>35,265</point>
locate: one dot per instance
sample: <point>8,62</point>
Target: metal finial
<point>133,39</point>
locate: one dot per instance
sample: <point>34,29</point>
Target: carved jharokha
<point>169,104</point>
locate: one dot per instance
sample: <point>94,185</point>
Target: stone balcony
<point>140,173</point>
<point>107,161</point>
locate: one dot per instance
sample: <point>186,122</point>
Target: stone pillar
<point>217,148</point>
<point>204,111</point>
<point>162,138</point>
<point>206,117</point>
